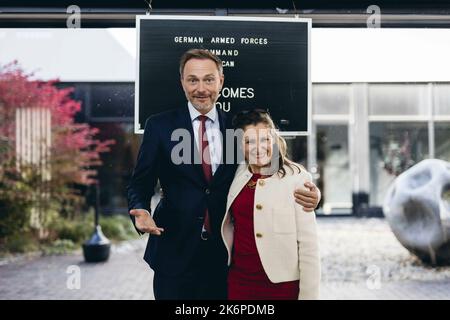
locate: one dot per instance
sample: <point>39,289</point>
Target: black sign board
<point>266,65</point>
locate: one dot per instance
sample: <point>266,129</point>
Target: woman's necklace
<point>251,184</point>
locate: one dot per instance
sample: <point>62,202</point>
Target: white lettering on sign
<point>259,41</point>
<point>243,93</point>
<point>219,52</point>
<point>188,39</point>
<point>225,40</point>
<point>227,63</point>
<point>224,106</point>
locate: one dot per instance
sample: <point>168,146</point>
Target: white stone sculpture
<point>417,207</point>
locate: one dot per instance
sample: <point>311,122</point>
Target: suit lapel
<point>241,178</point>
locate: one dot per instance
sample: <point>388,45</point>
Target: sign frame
<point>308,21</point>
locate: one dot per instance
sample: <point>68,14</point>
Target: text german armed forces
<point>222,40</point>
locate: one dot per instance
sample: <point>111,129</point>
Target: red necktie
<point>206,161</point>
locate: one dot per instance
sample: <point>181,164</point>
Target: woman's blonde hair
<point>257,116</point>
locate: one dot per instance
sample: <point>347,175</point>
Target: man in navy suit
<point>185,248</point>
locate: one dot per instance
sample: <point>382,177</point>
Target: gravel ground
<point>353,249</point>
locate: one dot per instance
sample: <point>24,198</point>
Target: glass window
<point>103,101</point>
<point>398,99</point>
<point>394,147</point>
<point>331,99</point>
<point>333,167</point>
<point>117,165</point>
<point>111,100</point>
<point>442,140</point>
<point>442,99</point>
<point>297,149</point>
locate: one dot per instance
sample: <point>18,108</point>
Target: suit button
<point>207,191</point>
<point>261,182</point>
<point>258,206</point>
<point>259,235</point>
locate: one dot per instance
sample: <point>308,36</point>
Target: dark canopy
<point>325,13</point>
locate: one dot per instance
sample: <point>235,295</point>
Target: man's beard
<point>204,107</point>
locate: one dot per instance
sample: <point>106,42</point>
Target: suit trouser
<point>204,279</point>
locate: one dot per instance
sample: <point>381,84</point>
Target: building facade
<point>380,104</point>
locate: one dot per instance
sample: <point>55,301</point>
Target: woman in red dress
<point>271,240</point>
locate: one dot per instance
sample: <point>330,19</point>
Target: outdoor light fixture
<point>97,248</point>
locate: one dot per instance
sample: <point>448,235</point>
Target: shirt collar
<point>194,113</point>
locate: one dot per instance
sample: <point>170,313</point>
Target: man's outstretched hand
<point>144,222</point>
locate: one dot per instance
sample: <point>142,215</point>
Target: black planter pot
<point>97,248</point>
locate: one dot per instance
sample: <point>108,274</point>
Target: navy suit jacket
<point>186,193</point>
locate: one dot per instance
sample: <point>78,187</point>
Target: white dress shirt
<point>212,132</point>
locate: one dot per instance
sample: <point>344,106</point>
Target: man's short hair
<point>200,54</point>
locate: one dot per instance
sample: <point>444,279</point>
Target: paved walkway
<point>124,276</point>
<point>361,259</point>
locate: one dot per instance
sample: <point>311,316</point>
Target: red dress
<point>247,279</point>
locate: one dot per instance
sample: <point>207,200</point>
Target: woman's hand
<point>308,198</point>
